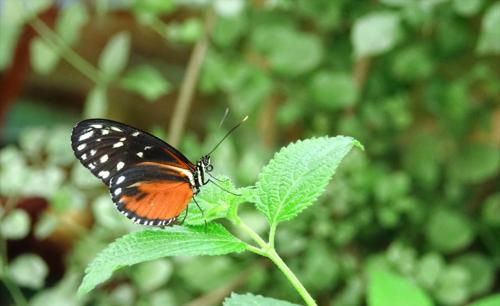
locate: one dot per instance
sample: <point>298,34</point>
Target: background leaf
<point>96,104</point>
<point>386,288</point>
<point>153,244</point>
<point>115,55</point>
<point>492,300</point>
<point>43,57</point>
<point>16,225</point>
<point>29,270</point>
<point>490,31</point>
<point>249,299</point>
<point>375,33</point>
<point>298,174</point>
<point>146,81</point>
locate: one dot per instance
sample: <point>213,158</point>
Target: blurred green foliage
<point>417,82</point>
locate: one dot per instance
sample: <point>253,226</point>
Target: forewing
<point>107,147</point>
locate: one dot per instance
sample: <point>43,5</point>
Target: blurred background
<point>416,81</point>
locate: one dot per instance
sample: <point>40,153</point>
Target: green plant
<point>291,182</point>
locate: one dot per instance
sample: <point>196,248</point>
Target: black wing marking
<point>108,148</point>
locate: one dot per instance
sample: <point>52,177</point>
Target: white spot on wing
<point>103,158</point>
<point>120,180</point>
<point>86,136</point>
<point>92,152</point>
<point>97,126</point>
<point>103,174</point>
<point>147,148</point>
<point>135,134</point>
<point>84,156</point>
<point>120,165</point>
<point>118,144</point>
<point>123,138</point>
<point>117,191</point>
<point>91,166</point>
<point>81,147</point>
<point>105,132</point>
<point>114,128</point>
<point>140,154</point>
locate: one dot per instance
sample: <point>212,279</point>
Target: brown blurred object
<point>68,88</point>
<point>12,80</point>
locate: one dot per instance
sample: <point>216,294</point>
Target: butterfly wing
<point>150,181</point>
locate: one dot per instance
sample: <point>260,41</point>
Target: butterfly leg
<point>184,218</point>
<point>202,212</point>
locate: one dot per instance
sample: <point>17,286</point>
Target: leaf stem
<point>272,234</point>
<point>188,85</point>
<point>66,52</point>
<point>267,250</point>
<point>252,234</point>
<point>271,254</point>
<point>12,288</point>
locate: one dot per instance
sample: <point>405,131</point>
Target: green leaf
<point>148,245</point>
<point>146,81</point>
<point>251,300</point>
<point>467,8</point>
<point>413,63</point>
<point>428,269</point>
<point>114,57</point>
<point>492,300</point>
<point>333,90</point>
<point>476,163</point>
<point>444,224</point>
<point>285,48</point>
<point>490,31</point>
<point>151,275</point>
<point>13,171</point>
<point>43,57</point>
<point>375,33</point>
<point>96,105</point>
<point>452,287</point>
<point>29,270</point>
<point>231,8</point>
<point>8,43</point>
<point>481,272</point>
<point>155,7</point>
<point>491,210</point>
<point>298,174</point>
<point>385,288</point>
<point>16,225</point>
<point>188,31</point>
<point>215,202</point>
<point>70,21</point>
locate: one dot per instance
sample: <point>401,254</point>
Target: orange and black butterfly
<point>150,181</point>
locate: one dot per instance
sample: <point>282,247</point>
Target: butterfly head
<point>205,161</point>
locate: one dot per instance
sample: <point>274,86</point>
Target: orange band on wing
<point>159,200</point>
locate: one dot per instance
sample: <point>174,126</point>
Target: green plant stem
<point>66,52</point>
<point>252,234</point>
<point>12,288</point>
<point>14,291</point>
<point>267,250</point>
<point>271,254</point>
<point>272,234</point>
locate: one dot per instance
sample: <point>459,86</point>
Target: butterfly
<point>150,181</point>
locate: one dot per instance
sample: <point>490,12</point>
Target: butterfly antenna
<point>227,134</point>
<point>224,117</point>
